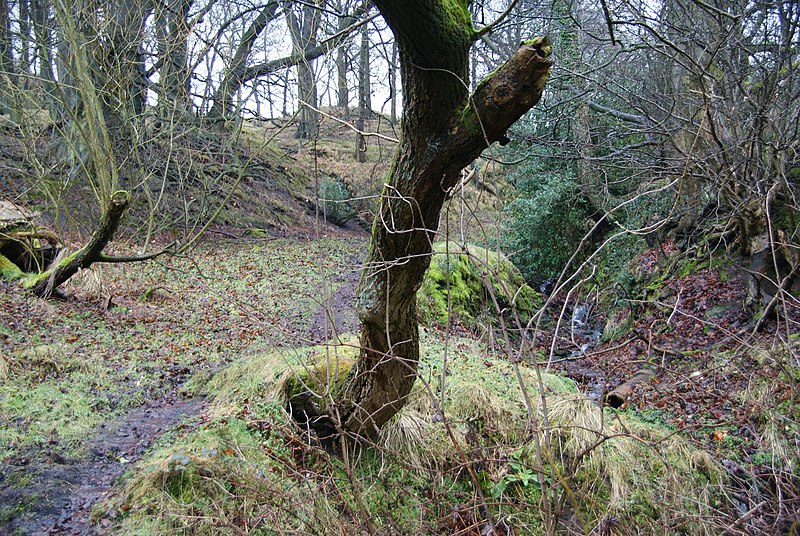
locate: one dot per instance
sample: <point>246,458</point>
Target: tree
<point>444,128</point>
<point>6,61</point>
<point>364,101</point>
<point>233,74</point>
<point>303,25</point>
<point>173,51</point>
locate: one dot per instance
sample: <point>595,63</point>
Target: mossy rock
<point>618,325</point>
<point>320,377</point>
<point>475,278</point>
<point>308,391</point>
<point>8,270</point>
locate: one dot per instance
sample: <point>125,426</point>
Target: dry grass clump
<point>599,465</point>
<point>458,455</point>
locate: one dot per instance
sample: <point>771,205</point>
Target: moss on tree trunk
<point>45,283</point>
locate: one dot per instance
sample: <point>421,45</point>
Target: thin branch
<point>170,249</point>
<point>350,126</point>
<point>489,27</point>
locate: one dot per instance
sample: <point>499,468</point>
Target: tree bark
<point>25,38</point>
<point>42,37</point>
<point>173,50</point>
<point>310,53</point>
<point>44,284</point>
<point>6,60</point>
<point>303,30</point>
<point>232,81</point>
<point>342,65</point>
<point>364,100</point>
<point>393,85</point>
<point>443,130</point>
<point>342,92</point>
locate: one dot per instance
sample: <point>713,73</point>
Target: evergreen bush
<point>334,200</point>
<point>545,223</point>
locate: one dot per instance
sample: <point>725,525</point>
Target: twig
<point>348,125</point>
<point>745,517</point>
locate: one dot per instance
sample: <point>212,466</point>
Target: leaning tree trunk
<point>444,129</point>
<point>45,283</point>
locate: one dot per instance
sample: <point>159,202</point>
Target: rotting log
<point>44,284</point>
<point>619,396</point>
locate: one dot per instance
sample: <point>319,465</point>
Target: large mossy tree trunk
<point>444,128</point>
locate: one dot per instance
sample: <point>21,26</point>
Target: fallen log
<point>44,284</point>
<point>619,396</point>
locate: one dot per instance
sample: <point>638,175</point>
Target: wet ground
<point>58,494</point>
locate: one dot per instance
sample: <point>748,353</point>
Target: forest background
<point>647,203</point>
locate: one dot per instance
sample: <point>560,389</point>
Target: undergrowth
<point>461,453</point>
<point>136,332</point>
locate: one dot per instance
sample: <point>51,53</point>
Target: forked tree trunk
<point>443,130</point>
<point>232,81</point>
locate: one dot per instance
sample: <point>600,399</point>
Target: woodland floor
<point>89,383</point>
<point>53,470</point>
<point>123,387</point>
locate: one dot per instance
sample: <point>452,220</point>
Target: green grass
<point>237,317</point>
<point>248,463</point>
<point>68,366</point>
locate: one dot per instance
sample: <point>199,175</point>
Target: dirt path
<point>338,316</point>
<point>58,494</point>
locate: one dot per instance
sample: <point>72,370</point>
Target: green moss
<point>247,462</point>
<point>466,284</point>
<point>34,279</point>
<point>619,324</point>
<point>458,10</point>
<point>8,270</point>
<point>541,41</point>
<point>323,378</point>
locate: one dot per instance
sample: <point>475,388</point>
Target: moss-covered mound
<point>473,285</point>
<point>479,440</point>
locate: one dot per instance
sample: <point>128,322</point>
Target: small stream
<point>586,331</point>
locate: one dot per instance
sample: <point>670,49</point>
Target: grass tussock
<point>458,454</point>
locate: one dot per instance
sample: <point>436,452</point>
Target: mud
<point>58,494</point>
<point>337,316</point>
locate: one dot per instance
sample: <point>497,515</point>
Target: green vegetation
<point>547,220</point>
<point>473,285</point>
<point>335,201</point>
<point>8,270</point>
<point>247,466</point>
<point>65,369</point>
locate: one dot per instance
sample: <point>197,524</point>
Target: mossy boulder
<point>482,286</point>
<point>310,389</point>
<point>8,270</point>
<point>619,324</point>
<point>25,246</point>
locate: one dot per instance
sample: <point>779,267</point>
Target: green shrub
<point>334,200</point>
<point>545,223</point>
